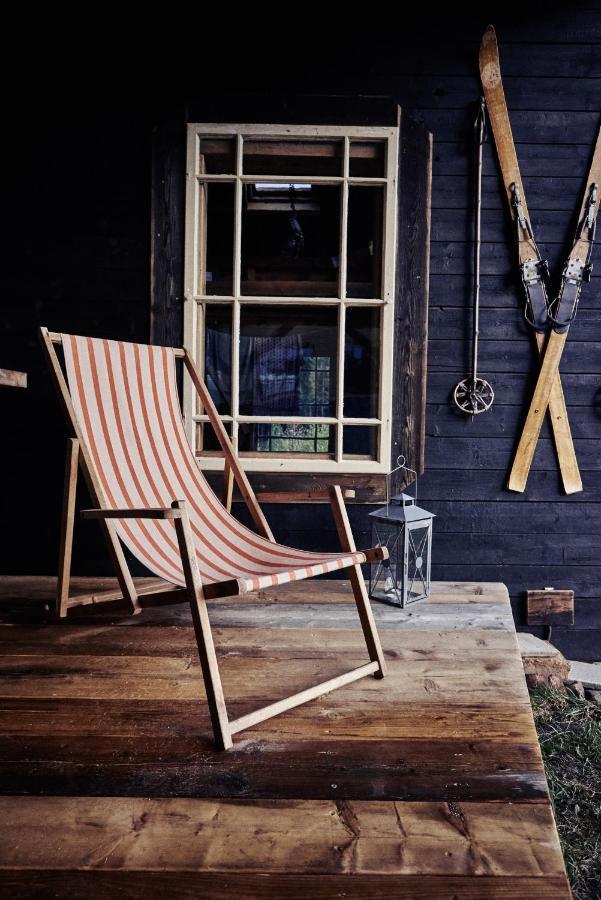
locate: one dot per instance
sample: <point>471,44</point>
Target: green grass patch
<point>569,731</point>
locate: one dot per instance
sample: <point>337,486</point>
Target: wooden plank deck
<point>426,784</point>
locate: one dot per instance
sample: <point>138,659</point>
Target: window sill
<point>368,488</point>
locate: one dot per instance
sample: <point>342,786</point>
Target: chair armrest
<point>143,513</point>
<point>322,496</point>
<point>375,554</point>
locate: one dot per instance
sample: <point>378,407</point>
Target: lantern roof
<point>402,508</point>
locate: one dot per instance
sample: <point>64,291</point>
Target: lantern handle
<point>401,464</point>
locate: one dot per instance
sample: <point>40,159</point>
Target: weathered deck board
<point>429,783</point>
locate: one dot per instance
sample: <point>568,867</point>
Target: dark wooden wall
<point>79,245</point>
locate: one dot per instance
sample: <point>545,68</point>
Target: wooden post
<point>347,542</point>
<point>66,537</point>
<point>202,629</point>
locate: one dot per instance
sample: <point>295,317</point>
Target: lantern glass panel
<point>387,576</point>
<point>418,561</point>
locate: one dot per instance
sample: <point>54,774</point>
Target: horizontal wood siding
<point>87,267</point>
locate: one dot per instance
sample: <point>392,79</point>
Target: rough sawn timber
<point>428,783</point>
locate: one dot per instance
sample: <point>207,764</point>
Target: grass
<point>569,731</point>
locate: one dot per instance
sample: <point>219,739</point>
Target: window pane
<point>364,254</point>
<point>362,363</point>
<point>360,441</point>
<point>309,440</point>
<point>206,439</point>
<point>287,361</point>
<point>293,157</point>
<point>216,251</point>
<point>218,355</point>
<point>290,240</point>
<point>217,156</point>
<point>367,159</point>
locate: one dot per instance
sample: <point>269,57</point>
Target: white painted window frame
<point>194,300</point>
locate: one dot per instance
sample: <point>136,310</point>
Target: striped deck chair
<point>128,440</point>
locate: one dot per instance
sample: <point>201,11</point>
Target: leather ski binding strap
<point>576,271</point>
<point>534,271</point>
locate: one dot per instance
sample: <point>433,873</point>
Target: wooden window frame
<point>195,300</point>
<point>410,338</point>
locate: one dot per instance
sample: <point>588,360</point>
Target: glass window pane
<point>206,439</point>
<point>217,156</point>
<point>360,441</point>
<point>216,234</point>
<point>364,252</point>
<point>362,363</point>
<point>218,355</point>
<point>367,159</point>
<point>308,440</point>
<point>292,157</point>
<point>290,240</point>
<point>288,361</point>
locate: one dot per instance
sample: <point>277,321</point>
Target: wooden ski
<point>532,266</point>
<point>576,270</point>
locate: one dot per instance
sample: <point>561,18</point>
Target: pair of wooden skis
<point>549,320</point>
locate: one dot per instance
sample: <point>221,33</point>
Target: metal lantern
<point>406,530</point>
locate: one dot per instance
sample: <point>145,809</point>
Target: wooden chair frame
<point>195,592</point>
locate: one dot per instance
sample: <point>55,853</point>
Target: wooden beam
<point>411,297</point>
<point>317,496</point>
<point>168,176</point>
<point>11,378</point>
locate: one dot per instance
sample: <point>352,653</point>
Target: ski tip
<point>489,38</point>
<point>490,72</point>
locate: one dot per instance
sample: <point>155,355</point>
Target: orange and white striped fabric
<point>127,407</point>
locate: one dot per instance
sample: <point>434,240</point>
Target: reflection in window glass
<point>218,355</point>
<point>309,439</point>
<point>290,240</point>
<point>293,157</point>
<point>287,361</point>
<point>367,159</point>
<point>361,362</point>
<point>206,439</point>
<point>360,441</point>
<point>364,254</point>
<point>216,212</point>
<point>217,156</point>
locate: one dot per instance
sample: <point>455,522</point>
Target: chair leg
<point>67,522</point>
<point>202,630</point>
<point>74,459</point>
<point>366,617</point>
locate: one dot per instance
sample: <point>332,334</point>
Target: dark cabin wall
<point>85,266</point>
